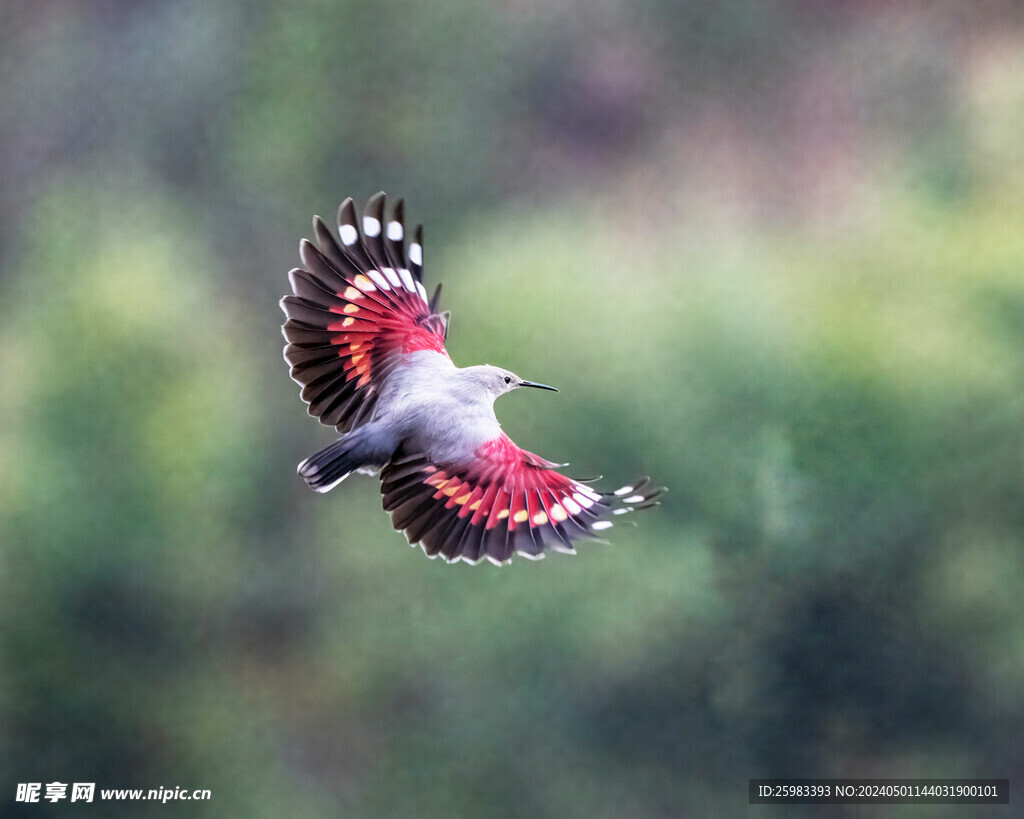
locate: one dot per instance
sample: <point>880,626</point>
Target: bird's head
<point>496,381</point>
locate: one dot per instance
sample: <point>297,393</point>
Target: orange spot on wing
<point>470,503</point>
<point>518,510</point>
<point>499,507</point>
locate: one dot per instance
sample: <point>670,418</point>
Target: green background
<point>771,253</point>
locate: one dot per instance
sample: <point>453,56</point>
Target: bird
<point>367,347</point>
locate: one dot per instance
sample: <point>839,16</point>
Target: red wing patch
<point>506,501</point>
<point>358,304</point>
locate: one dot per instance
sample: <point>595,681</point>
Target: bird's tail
<point>364,450</point>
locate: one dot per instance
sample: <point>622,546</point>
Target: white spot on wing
<point>599,525</point>
<point>624,490</point>
<point>364,284</point>
<point>582,500</point>
<point>348,234</point>
<point>395,231</point>
<point>634,499</point>
<point>421,290</point>
<point>571,505</point>
<point>371,226</point>
<point>410,285</point>
<point>416,253</point>
<point>392,276</point>
<point>378,279</point>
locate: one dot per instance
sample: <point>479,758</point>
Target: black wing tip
<point>629,498</point>
<point>347,212</point>
<point>435,300</point>
<point>374,201</point>
<point>641,487</point>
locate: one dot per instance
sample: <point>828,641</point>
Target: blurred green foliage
<point>771,256</point>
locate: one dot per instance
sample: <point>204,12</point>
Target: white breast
<point>428,405</point>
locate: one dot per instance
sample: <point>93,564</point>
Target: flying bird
<point>366,345</point>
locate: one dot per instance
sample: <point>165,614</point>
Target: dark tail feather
<point>330,466</point>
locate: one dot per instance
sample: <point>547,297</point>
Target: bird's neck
<point>470,388</point>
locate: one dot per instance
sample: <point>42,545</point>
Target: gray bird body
<point>427,405</point>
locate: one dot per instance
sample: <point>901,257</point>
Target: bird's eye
<point>508,379</point>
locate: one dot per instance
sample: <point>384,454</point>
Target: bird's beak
<point>538,386</point>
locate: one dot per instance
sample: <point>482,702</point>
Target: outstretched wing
<point>505,501</point>
<point>358,304</point>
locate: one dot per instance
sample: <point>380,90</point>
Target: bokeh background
<point>773,255</point>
